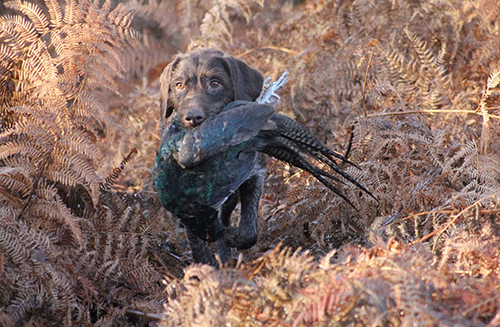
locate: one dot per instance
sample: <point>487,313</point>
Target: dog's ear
<point>166,105</point>
<point>247,81</point>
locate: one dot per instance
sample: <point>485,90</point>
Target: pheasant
<point>200,170</point>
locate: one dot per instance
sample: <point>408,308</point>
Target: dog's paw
<point>238,238</point>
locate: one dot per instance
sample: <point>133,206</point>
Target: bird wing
<point>207,184</point>
<point>239,122</point>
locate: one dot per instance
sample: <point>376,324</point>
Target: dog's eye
<point>214,84</point>
<point>180,86</point>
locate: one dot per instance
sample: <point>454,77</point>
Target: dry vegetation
<point>407,89</point>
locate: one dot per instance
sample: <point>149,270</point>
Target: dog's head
<point>197,85</point>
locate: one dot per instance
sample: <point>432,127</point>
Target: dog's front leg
<point>245,235</point>
<point>221,247</point>
<point>200,251</point>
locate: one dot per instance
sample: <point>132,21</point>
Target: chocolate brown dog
<point>194,87</point>
<point>213,137</point>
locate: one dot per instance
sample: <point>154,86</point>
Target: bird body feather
<point>198,169</point>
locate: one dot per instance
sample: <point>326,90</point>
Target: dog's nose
<point>194,117</point>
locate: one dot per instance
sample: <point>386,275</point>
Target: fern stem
<point>480,304</point>
<point>269,47</point>
<point>451,222</point>
<point>111,179</point>
<point>44,164</point>
<point>429,111</point>
<point>365,82</point>
<point>152,316</point>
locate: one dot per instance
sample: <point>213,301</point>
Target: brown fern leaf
<point>6,62</point>
<point>39,285</point>
<point>48,131</point>
<point>329,303</point>
<point>111,179</point>
<point>216,26</point>
<point>493,81</point>
<point>57,66</point>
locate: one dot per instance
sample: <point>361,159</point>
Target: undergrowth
<point>408,90</point>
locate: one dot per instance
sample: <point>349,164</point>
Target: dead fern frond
<point>493,81</point>
<point>330,303</point>
<point>111,179</point>
<point>57,60</point>
<point>216,26</point>
<point>34,14</point>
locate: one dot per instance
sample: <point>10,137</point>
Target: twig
<point>270,47</point>
<point>265,260</point>
<point>474,307</point>
<point>153,316</point>
<point>365,82</point>
<point>111,179</point>
<point>44,165</point>
<point>430,111</point>
<point>259,268</point>
<point>451,222</point>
